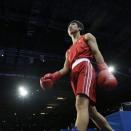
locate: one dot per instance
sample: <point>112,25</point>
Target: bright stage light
<point>111,69</point>
<point>23,91</point>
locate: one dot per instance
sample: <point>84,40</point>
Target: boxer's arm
<point>57,74</point>
<point>91,40</point>
<point>65,70</point>
<point>48,80</point>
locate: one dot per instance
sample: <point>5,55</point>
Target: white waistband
<point>79,61</point>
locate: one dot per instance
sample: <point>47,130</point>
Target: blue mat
<point>120,121</point>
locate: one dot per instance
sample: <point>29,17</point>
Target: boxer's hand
<point>48,79</point>
<point>46,83</point>
<point>105,78</point>
<point>102,66</point>
<point>53,76</point>
<point>48,76</point>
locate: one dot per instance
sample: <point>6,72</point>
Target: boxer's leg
<point>82,120</point>
<point>98,119</point>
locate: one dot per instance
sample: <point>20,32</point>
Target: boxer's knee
<point>82,102</point>
<point>92,112</point>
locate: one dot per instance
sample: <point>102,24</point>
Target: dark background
<point>33,41</point>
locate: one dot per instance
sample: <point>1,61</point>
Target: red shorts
<point>83,78</point>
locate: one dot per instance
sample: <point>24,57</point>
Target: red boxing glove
<point>53,76</point>
<point>47,81</point>
<point>105,78</point>
<point>102,66</point>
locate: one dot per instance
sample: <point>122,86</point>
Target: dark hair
<point>80,25</point>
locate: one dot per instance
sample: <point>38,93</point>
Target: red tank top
<point>78,50</point>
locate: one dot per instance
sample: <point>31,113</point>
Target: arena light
<point>42,113</point>
<point>111,69</point>
<point>1,53</point>
<point>49,107</point>
<point>60,98</point>
<point>23,92</point>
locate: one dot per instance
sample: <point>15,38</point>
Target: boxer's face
<point>73,28</point>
